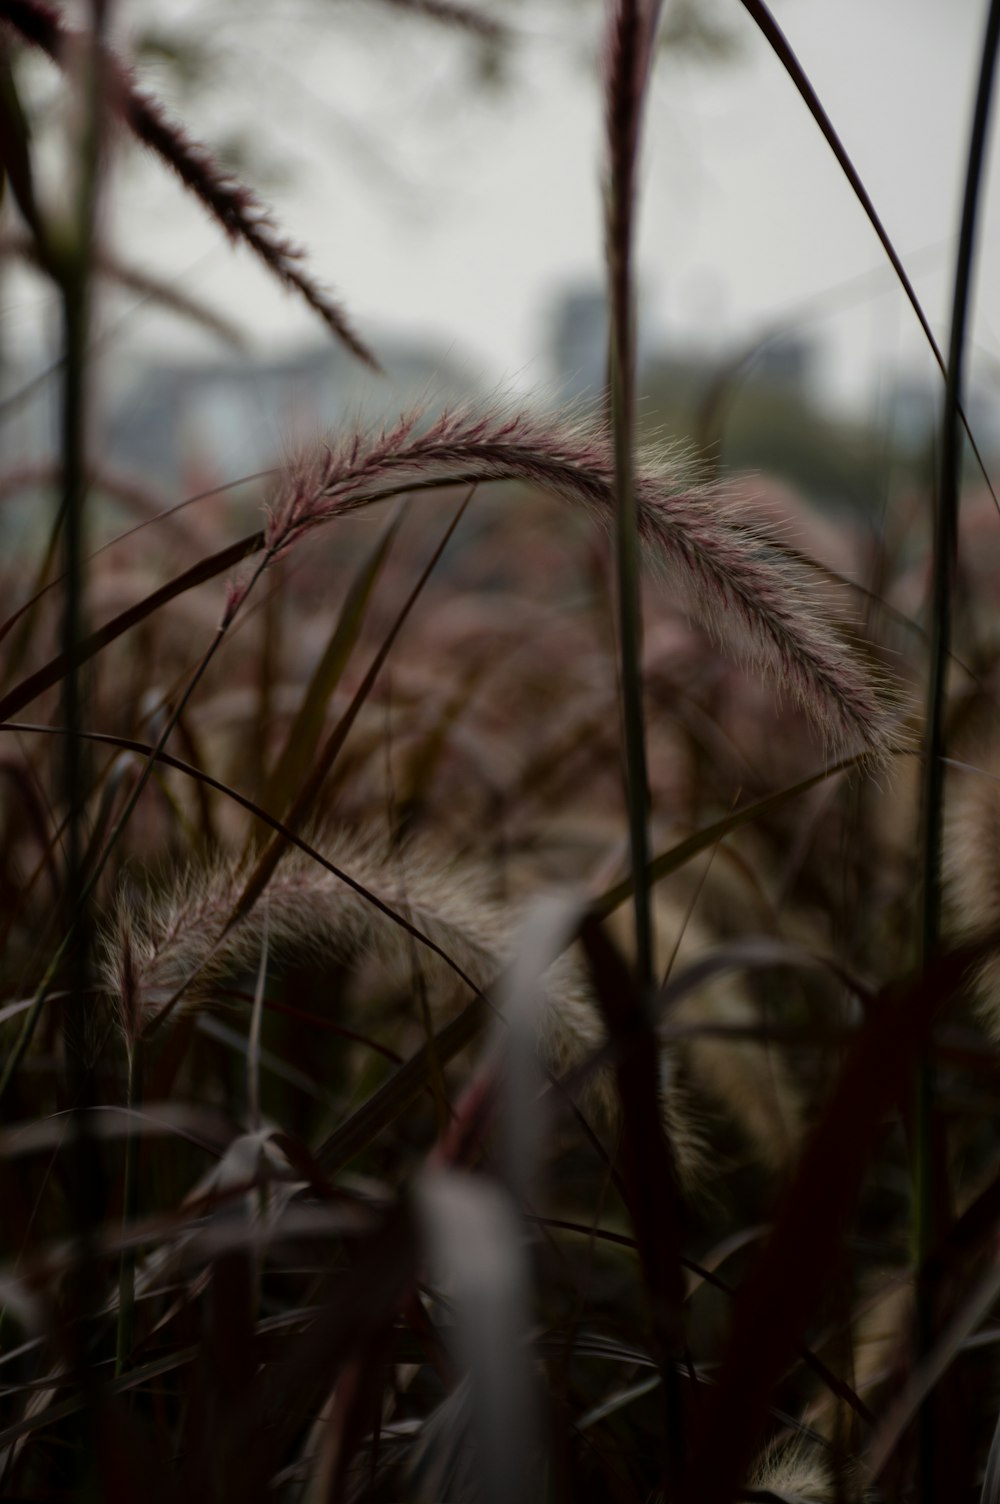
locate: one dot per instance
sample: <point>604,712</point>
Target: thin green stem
<point>927,1196</point>
<point>631,42</point>
<point>631,39</point>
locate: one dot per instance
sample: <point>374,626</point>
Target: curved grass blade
<point>304,733</point>
<point>783,51</point>
<point>57,668</point>
<point>670,861</point>
<point>301,805</point>
<point>206,569</point>
<point>189,501</point>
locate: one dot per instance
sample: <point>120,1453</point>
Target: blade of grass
<point>71,268</point>
<point>298,811</point>
<point>25,613</point>
<point>239,1043</point>
<point>670,861</point>
<point>930,1199</point>
<point>402,1088</point>
<point>72,933</point>
<point>303,736</point>
<point>629,47</point>
<point>783,51</point>
<point>355,1305</point>
<point>667,862</point>
<point>52,672</point>
<point>206,569</point>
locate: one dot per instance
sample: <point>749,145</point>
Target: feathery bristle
<point>794,1471</point>
<point>178,941</point>
<point>734,578</point>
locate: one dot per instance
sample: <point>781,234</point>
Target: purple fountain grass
<point>231,203</point>
<point>158,947</point>
<point>174,939</point>
<point>794,1470</point>
<point>736,579</point>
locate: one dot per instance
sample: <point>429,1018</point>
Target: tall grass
<point>460,1039</point>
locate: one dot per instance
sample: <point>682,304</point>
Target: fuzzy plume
<point>151,952</point>
<point>795,1472</point>
<point>736,579</point>
<point>233,205</point>
<point>311,914</point>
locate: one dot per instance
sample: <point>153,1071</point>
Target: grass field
<point>499,996</point>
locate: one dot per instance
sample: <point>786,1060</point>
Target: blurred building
<point>579,343</point>
<point>231,417</point>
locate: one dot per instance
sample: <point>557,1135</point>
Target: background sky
<point>437,207</point>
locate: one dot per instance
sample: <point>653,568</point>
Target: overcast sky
<point>435,207</point>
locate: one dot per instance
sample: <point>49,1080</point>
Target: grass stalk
<point>72,267</point>
<point>945,549</point>
<point>632,30</point>
<point>627,556</point>
<point>130,1205</point>
<point>783,51</point>
<point>75,319</point>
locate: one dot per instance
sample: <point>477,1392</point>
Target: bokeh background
<point>446,186</point>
